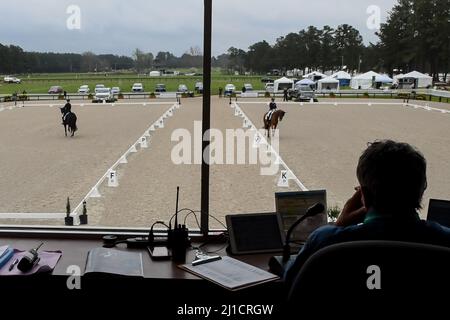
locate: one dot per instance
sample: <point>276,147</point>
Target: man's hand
<point>354,211</point>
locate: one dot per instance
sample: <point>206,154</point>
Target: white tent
<point>315,76</point>
<point>305,83</point>
<point>415,79</point>
<point>328,84</point>
<point>155,74</point>
<point>368,80</point>
<point>343,77</point>
<point>282,83</point>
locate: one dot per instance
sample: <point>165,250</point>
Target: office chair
<point>339,275</point>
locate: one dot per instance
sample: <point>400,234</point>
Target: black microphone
<point>277,263</point>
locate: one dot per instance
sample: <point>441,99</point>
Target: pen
<point>206,260</point>
<point>13,264</point>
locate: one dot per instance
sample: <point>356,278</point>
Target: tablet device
<point>255,233</point>
<point>439,211</point>
<point>291,206</point>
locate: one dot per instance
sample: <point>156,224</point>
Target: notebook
<point>112,261</point>
<point>230,273</point>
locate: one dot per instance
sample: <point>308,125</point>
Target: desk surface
<point>75,253</point>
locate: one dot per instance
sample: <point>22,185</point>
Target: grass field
<point>71,82</point>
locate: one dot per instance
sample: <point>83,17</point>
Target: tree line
<point>416,35</point>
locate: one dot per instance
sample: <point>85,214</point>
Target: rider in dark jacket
<point>68,109</point>
<point>272,109</point>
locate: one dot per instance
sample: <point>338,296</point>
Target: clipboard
<point>230,273</point>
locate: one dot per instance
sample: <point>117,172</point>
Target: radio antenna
<point>176,208</point>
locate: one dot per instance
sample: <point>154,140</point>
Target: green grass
<point>71,82</point>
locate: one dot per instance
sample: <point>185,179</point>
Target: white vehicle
<point>199,87</point>
<point>115,90</point>
<point>103,94</point>
<point>11,79</point>
<point>269,87</point>
<point>99,86</point>
<point>229,89</point>
<point>182,88</point>
<point>137,87</point>
<point>248,87</point>
<point>84,89</point>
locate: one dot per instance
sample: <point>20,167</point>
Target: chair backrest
<point>373,271</point>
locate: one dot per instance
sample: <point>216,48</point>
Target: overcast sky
<point>119,26</point>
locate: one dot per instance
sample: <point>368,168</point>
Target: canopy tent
<point>328,84</point>
<point>155,74</point>
<point>343,77</point>
<point>315,76</point>
<point>397,77</point>
<point>282,83</point>
<point>369,80</point>
<point>306,83</point>
<point>415,80</point>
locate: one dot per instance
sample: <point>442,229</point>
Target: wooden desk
<point>164,285</point>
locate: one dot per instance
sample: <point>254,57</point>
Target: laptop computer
<point>439,211</point>
<point>292,205</point>
<point>255,233</point>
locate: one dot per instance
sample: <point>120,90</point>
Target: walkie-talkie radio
<point>29,260</point>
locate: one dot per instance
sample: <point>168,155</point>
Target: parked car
<point>84,89</point>
<point>302,93</point>
<point>269,87</point>
<point>198,87</point>
<point>229,89</point>
<point>11,79</point>
<point>99,86</point>
<point>55,90</point>
<point>160,88</point>
<point>248,87</point>
<point>137,87</point>
<point>183,88</point>
<point>103,94</point>
<point>115,90</point>
<point>266,80</point>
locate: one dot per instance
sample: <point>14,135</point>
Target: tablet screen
<point>255,233</point>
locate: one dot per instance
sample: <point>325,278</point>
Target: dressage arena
<point>319,143</point>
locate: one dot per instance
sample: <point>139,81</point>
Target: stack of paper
<point>230,273</point>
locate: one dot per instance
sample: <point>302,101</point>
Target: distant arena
<point>320,142</point>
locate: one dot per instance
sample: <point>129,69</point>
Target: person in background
<point>220,92</point>
<point>285,94</point>
<point>392,181</point>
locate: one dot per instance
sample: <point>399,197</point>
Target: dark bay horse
<point>277,116</point>
<point>69,120</point>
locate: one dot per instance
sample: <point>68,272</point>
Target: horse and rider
<point>272,117</point>
<point>69,119</point>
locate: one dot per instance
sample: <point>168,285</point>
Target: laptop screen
<point>292,205</point>
<point>439,211</point>
<point>255,233</point>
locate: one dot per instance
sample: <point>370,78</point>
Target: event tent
<point>328,84</point>
<point>282,83</point>
<point>415,79</point>
<point>343,77</point>
<point>306,83</point>
<point>155,74</point>
<point>369,80</point>
<point>315,76</point>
